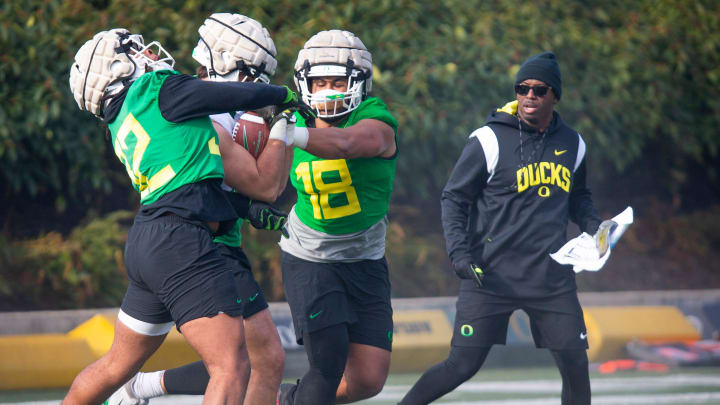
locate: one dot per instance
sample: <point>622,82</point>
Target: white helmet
<point>109,61</point>
<point>334,53</point>
<point>231,44</point>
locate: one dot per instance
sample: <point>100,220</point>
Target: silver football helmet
<point>109,61</point>
<point>231,44</point>
<point>334,53</point>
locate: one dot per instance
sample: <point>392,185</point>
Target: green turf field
<point>526,386</point>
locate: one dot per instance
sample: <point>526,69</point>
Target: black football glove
<point>469,271</point>
<point>264,216</point>
<point>293,103</point>
<point>286,114</point>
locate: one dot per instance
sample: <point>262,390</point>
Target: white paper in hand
<point>582,252</point>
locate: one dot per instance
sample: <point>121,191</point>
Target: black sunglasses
<point>523,90</point>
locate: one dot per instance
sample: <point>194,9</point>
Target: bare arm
<point>286,170</point>
<point>262,179</point>
<point>367,138</point>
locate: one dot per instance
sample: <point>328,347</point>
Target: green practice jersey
<point>340,196</point>
<point>161,156</point>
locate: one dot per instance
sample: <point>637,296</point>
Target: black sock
<point>460,366</point>
<point>190,379</point>
<point>327,351</point>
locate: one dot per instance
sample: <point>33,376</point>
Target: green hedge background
<point>641,82</point>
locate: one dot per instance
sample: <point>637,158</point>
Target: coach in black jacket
<point>505,208</point>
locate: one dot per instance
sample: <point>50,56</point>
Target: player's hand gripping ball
<point>251,132</point>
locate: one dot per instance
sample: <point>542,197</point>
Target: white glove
<point>279,130</point>
<point>297,136</point>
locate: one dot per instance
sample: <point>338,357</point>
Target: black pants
<point>464,362</point>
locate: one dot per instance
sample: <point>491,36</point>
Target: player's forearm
<point>258,179</point>
<point>368,138</point>
<point>274,169</point>
<point>286,169</point>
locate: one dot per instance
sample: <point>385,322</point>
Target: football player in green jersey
<point>246,53</point>
<point>161,132</point>
<point>333,262</point>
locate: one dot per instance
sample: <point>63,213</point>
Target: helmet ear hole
<point>118,68</point>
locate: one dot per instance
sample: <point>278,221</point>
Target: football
<point>251,132</point>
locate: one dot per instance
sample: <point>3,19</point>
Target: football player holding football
<point>335,274</point>
<point>158,119</point>
<point>234,48</point>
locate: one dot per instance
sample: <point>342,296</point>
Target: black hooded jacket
<point>507,204</point>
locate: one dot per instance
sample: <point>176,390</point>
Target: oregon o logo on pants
<point>466,330</point>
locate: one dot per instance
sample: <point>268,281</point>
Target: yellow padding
<point>42,361</point>
<point>98,331</point>
<point>610,329</point>
<point>421,338</point>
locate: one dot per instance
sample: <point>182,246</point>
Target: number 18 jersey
<point>341,196</point>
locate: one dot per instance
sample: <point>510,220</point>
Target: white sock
<point>148,385</point>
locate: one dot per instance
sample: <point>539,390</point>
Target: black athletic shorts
<point>326,294</point>
<point>176,273</point>
<point>481,319</point>
<point>252,296</point>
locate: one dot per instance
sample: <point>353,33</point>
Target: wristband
<point>300,137</point>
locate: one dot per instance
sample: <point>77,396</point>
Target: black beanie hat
<point>543,67</point>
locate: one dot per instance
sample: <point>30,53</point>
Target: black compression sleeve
<point>463,188</point>
<point>327,351</point>
<point>190,379</point>
<point>184,97</point>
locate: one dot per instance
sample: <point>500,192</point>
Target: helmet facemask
<point>134,47</point>
<point>164,61</point>
<point>330,103</point>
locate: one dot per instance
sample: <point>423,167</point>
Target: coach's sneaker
<point>286,394</point>
<point>125,396</point>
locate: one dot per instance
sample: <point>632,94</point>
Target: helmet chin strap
<point>334,119</point>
